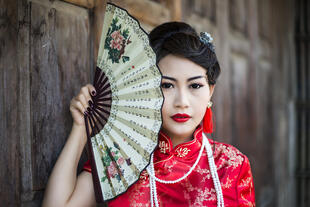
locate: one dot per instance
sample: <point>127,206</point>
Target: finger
<point>91,89</point>
<point>77,105</point>
<point>81,108</point>
<point>87,97</point>
<point>87,90</point>
<point>82,99</point>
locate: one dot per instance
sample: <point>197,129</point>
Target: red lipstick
<point>180,117</point>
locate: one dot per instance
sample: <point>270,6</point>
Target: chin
<point>179,130</point>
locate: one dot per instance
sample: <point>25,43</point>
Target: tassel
<point>207,121</point>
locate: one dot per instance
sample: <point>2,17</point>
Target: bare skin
<point>64,188</point>
<point>186,91</point>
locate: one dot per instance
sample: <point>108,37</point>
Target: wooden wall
<point>9,147</point>
<point>45,59</point>
<point>46,55</point>
<point>254,42</point>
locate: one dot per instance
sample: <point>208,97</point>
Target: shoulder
<point>234,171</point>
<point>227,156</point>
<point>235,174</point>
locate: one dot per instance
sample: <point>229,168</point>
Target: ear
<point>211,87</point>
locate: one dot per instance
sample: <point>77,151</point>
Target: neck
<point>177,139</point>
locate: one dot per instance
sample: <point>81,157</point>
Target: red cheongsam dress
<point>197,189</point>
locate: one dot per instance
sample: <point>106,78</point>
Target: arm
<point>64,188</point>
<point>245,186</point>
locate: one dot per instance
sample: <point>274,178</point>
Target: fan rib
<point>138,129</point>
<point>125,156</point>
<point>97,73</point>
<point>106,165</point>
<point>92,133</point>
<point>98,118</point>
<point>103,110</point>
<point>125,184</point>
<point>136,146</point>
<point>131,144</point>
<point>96,127</point>
<point>106,93</point>
<point>103,104</point>
<point>104,86</point>
<point>111,158</point>
<point>104,99</point>
<point>101,76</point>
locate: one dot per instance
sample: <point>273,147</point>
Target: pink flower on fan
<point>117,41</point>
<point>120,161</point>
<point>112,170</point>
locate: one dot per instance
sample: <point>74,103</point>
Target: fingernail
<point>88,109</point>
<point>90,102</point>
<point>85,113</point>
<point>93,93</point>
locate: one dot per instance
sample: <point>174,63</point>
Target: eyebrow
<point>190,79</point>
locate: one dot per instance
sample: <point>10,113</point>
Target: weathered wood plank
<point>64,7</point>
<point>60,65</point>
<point>9,137</point>
<point>24,101</point>
<point>99,12</point>
<point>238,15</point>
<point>175,7</point>
<point>84,3</point>
<point>146,11</point>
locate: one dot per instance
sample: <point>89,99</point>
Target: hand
<point>80,103</point>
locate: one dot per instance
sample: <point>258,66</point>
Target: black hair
<point>180,39</point>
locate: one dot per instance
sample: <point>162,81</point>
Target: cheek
<point>200,103</point>
<point>166,105</point>
<point>200,109</point>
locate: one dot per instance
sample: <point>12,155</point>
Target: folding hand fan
<point>125,118</point>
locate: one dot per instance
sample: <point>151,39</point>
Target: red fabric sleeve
<point>87,166</point>
<point>245,186</point>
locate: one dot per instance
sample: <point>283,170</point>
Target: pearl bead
<point>217,185</point>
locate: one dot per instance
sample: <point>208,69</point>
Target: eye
<point>196,85</point>
<point>166,85</point>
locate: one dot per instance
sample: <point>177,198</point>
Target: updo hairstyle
<point>180,39</point>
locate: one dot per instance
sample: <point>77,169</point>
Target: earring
<point>207,125</point>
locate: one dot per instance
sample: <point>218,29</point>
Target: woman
<point>186,174</point>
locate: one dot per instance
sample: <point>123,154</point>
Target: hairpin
<point>206,38</point>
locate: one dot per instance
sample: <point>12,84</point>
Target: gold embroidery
<point>204,195</point>
<point>201,194</point>
<point>163,146</point>
<point>139,195</point>
<point>228,182</point>
<point>182,152</point>
<point>171,166</point>
<point>143,175</point>
<point>205,173</point>
<point>232,157</point>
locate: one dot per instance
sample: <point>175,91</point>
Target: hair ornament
<point>206,38</point>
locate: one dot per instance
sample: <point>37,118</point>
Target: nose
<point>181,99</point>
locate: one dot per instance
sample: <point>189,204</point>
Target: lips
<point>181,117</point>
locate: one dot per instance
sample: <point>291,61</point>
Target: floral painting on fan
<point>116,42</point>
<point>112,170</point>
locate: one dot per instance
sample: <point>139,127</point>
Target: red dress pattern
<point>197,189</point>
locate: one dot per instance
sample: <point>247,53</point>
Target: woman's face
<point>186,93</point>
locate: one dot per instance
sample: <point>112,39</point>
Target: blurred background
<point>261,101</point>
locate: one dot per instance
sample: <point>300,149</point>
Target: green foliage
<point>115,54</point>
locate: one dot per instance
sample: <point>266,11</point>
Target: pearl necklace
<point>213,170</point>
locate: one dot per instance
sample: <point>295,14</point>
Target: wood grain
<point>9,77</point>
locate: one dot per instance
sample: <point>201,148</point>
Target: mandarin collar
<point>186,149</point>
